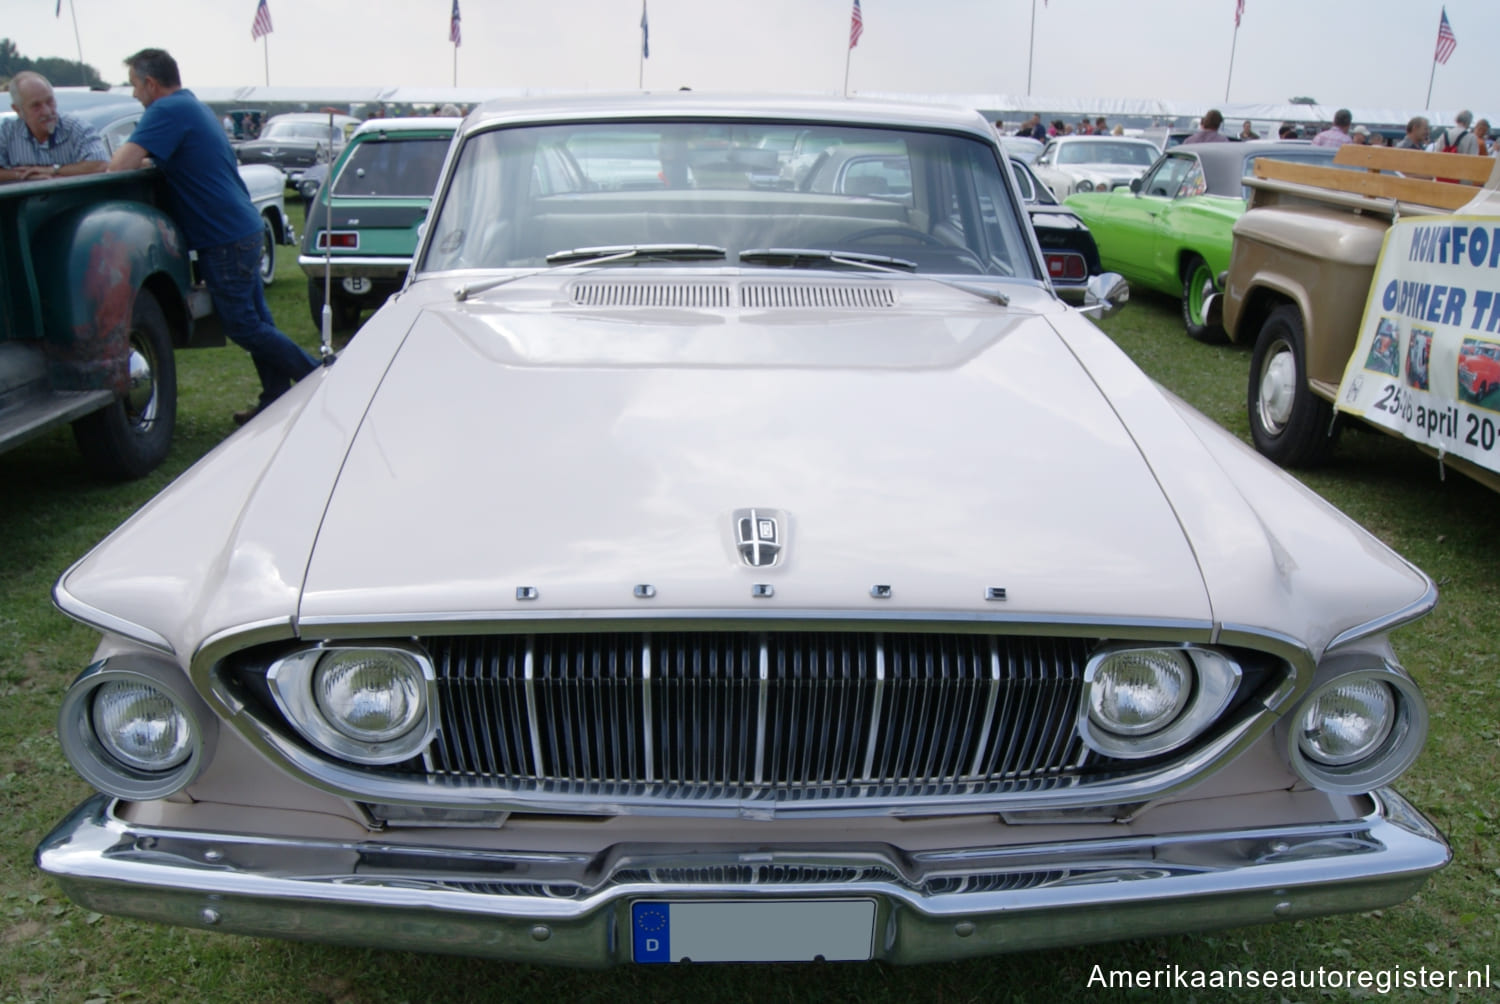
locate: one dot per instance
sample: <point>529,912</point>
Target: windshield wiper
<point>600,256</point>
<point>812,257</point>
<point>805,257</point>
<point>621,252</point>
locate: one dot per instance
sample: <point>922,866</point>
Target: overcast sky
<point>1370,53</point>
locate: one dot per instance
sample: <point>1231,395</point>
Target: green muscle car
<point>1171,230</point>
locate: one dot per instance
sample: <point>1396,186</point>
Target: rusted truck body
<point>96,292</point>
<point>1300,274</point>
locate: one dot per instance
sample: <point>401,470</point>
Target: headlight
<point>141,726</point>
<point>369,696</point>
<point>133,727</point>
<point>1139,692</point>
<point>371,704</point>
<point>1358,730</point>
<point>1145,701</point>
<point>1084,185</point>
<point>1347,722</point>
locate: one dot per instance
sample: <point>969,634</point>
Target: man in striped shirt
<point>39,142</point>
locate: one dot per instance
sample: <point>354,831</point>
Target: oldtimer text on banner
<point>1427,363</point>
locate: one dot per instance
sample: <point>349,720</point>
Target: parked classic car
<point>114,117</point>
<point>364,227</point>
<point>296,141</point>
<point>1172,231</point>
<point>1068,247</point>
<point>1071,164</point>
<point>611,599</point>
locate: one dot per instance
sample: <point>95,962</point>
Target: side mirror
<point>1135,185</point>
<point>1105,294</point>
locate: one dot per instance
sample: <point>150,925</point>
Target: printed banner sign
<point>1427,363</point>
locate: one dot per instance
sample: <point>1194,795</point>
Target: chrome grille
<point>779,716</point>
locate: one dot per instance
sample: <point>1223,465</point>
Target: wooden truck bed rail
<point>1418,181</point>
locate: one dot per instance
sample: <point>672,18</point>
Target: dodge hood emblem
<point>760,535</point>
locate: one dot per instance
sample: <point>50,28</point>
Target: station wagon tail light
<point>1066,265</point>
<point>369,704</point>
<point>345,240</point>
<point>1141,702</point>
<point>134,728</point>
<point>1358,730</point>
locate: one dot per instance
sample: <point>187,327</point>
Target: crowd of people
<point>1465,135</point>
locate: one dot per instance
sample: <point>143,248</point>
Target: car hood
<point>940,445</point>
<point>585,452</point>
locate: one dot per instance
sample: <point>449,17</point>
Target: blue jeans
<point>232,273</point>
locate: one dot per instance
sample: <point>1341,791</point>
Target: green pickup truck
<point>95,294</point>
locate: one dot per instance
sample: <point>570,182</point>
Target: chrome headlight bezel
<point>1214,681</point>
<point>1083,185</point>
<point>292,681</point>
<point>1400,745</point>
<point>107,771</point>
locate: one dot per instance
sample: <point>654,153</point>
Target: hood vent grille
<point>773,295</point>
<point>651,294</point>
<point>753,296</point>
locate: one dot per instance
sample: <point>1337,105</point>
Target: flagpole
<point>455,64</point>
<point>265,41</point>
<point>1232,46</point>
<point>848,56</point>
<point>1433,76</point>
<point>1031,48</point>
<point>76,37</point>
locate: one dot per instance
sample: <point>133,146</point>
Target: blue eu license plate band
<point>840,930</point>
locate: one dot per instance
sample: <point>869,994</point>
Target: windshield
<point>1133,154</point>
<point>393,167</point>
<point>935,200</point>
<point>299,130</point>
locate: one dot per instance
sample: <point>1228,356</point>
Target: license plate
<point>753,930</point>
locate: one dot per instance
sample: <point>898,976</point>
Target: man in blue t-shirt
<point>211,204</point>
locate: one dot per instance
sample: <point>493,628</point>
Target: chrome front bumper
<point>313,266</point>
<point>571,909</point>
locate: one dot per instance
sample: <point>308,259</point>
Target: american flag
<point>1239,11</point>
<point>645,33</point>
<point>262,23</point>
<point>856,25</point>
<point>455,33</point>
<point>1446,43</point>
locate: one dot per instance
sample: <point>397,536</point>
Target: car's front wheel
<point>133,435</point>
<point>267,252</point>
<point>1197,284</point>
<point>1288,422</point>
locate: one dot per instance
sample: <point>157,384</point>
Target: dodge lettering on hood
<point>687,564</point>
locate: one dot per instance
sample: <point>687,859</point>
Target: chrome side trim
<point>932,905</point>
<point>1391,621</point>
<point>100,620</point>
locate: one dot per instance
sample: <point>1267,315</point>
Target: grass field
<point>53,951</point>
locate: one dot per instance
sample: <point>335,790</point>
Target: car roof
<point>310,117</point>
<point>1138,140</point>
<point>429,123</point>
<point>1224,163</point>
<point>695,104</point>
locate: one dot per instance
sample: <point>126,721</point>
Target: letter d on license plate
<point>753,931</point>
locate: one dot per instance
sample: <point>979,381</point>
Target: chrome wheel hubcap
<point>1278,387</point>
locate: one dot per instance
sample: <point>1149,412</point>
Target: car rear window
<point>392,168</point>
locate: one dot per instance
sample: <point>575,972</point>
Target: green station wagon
<point>1170,231</point>
<point>363,227</point>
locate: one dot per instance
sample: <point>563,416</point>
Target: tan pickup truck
<point>1299,277</point>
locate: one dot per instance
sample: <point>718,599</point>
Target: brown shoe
<point>241,417</point>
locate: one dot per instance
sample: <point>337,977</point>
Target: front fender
<point>90,261</point>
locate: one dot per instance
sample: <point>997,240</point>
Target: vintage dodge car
<point>719,571</point>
